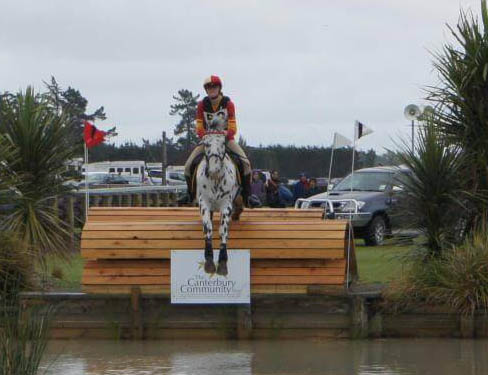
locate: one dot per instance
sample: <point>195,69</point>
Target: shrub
<point>458,279</point>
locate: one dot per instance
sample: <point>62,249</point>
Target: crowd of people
<point>274,193</point>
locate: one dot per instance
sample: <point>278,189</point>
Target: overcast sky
<point>296,70</point>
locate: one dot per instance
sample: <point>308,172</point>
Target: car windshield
<point>365,181</point>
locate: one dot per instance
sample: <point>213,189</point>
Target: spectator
<point>257,187</point>
<point>272,194</point>
<point>313,189</point>
<point>301,187</point>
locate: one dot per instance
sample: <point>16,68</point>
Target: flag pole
<point>87,195</point>
<point>349,234</point>
<point>353,155</point>
<point>330,164</point>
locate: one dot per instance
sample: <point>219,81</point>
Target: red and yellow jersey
<point>206,112</point>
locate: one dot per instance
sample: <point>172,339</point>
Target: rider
<point>215,103</point>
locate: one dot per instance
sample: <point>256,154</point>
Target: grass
<point>65,275</point>
<point>380,264</point>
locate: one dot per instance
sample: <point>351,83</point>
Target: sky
<point>297,71</point>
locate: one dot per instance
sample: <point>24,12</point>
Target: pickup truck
<point>368,198</point>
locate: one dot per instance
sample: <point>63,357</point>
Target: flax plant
<point>39,139</point>
<point>461,101</point>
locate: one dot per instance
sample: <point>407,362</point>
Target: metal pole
<point>413,137</point>
<point>352,166</point>
<point>164,162</point>
<point>330,166</point>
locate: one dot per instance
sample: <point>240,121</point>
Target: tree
<point>186,108</point>
<point>72,105</point>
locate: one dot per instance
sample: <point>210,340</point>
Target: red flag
<point>92,135</point>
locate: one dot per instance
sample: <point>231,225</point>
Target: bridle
<point>219,157</point>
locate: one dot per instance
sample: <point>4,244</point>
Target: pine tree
<point>186,108</point>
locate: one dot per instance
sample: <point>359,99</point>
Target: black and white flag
<point>360,130</point>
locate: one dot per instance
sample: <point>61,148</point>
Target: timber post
<point>136,313</point>
<point>359,318</point>
<point>244,322</point>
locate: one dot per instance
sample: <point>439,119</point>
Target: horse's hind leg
<point>208,230</point>
<point>224,234</point>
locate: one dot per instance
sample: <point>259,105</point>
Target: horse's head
<point>214,144</point>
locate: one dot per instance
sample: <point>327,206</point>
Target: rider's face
<point>213,91</point>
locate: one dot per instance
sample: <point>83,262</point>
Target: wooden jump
<point>292,251</point>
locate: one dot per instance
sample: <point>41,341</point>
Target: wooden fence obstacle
<point>292,251</point>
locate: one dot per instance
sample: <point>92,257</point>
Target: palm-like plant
<point>462,99</point>
<point>38,140</point>
<point>433,196</point>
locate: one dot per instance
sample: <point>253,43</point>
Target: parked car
<point>367,197</point>
<point>101,179</point>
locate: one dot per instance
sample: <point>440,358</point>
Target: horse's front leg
<point>208,231</point>
<point>225,215</point>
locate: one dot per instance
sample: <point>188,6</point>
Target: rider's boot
<point>246,189</point>
<point>190,192</point>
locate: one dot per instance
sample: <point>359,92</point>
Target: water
<point>395,356</point>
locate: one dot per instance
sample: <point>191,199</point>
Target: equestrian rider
<point>216,104</point>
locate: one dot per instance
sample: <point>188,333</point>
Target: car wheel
<point>375,234</point>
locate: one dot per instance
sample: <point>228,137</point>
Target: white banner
<point>190,283</point>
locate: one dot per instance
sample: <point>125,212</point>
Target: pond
<point>338,357</point>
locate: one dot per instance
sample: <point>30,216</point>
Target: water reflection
<point>393,357</point>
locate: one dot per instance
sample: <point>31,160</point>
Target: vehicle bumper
<point>360,219</point>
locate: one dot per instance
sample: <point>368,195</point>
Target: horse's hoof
<point>222,268</point>
<point>209,266</point>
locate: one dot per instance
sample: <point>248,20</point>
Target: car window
<point>365,181</point>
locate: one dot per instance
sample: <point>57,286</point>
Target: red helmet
<point>212,80</point>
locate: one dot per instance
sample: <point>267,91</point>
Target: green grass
<point>380,264</point>
<point>65,275</point>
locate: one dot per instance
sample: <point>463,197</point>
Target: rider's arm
<point>232,124</point>
<point>200,128</point>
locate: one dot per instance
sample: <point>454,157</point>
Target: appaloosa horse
<point>217,188</point>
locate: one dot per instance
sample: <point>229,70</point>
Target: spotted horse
<point>217,189</point>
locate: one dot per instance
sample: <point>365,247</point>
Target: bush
<point>458,279</point>
<point>23,333</point>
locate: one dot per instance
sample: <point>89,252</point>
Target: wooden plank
<point>166,290</point>
<point>297,271</point>
<point>298,280</point>
<point>188,235</point>
<point>195,244</point>
<point>197,226</point>
<point>177,217</point>
<point>127,280</point>
<point>185,211</point>
<point>131,271</point>
<point>125,289</point>
<point>298,263</point>
<point>134,263</point>
<point>165,280</point>
<point>255,253</point>
<point>255,263</point>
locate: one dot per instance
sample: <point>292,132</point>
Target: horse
<point>217,188</point>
